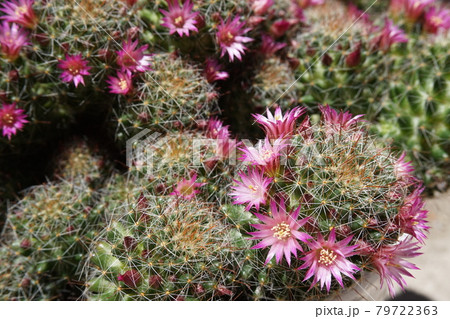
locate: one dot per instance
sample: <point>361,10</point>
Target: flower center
<point>21,10</point>
<point>327,257</point>
<point>123,85</point>
<point>74,71</point>
<point>253,188</point>
<point>436,20</point>
<point>267,154</point>
<point>179,22</point>
<point>8,119</point>
<point>281,231</point>
<point>187,190</point>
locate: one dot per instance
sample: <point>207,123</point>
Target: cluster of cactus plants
<point>186,208</point>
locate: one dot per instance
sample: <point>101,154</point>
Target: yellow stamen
<point>327,257</point>
<point>281,231</point>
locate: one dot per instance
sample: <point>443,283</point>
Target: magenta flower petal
<point>278,125</point>
<point>187,188</point>
<point>12,40</point>
<point>122,84</point>
<point>230,39</point>
<point>20,12</point>
<point>74,69</point>
<point>252,190</point>
<point>131,58</point>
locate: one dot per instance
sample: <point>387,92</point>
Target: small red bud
<point>131,278</point>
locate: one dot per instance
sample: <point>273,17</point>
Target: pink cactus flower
<point>133,59</point>
<point>412,216</point>
<point>266,156</point>
<point>225,145</point>
<point>230,38</point>
<point>187,188</point>
<point>252,190</point>
<point>20,12</point>
<point>390,263</point>
<point>260,7</point>
<point>327,258</point>
<point>280,27</point>
<point>390,34</point>
<point>269,46</point>
<point>281,232</point>
<point>131,278</point>
<point>74,69</point>
<point>336,121</point>
<point>214,126</point>
<point>437,20</point>
<point>180,19</point>
<point>278,125</point>
<point>12,40</point>
<point>415,8</point>
<point>11,119</point>
<point>213,71</point>
<point>122,84</point>
<point>403,169</point>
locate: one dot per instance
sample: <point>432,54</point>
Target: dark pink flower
<point>279,125</point>
<point>390,263</point>
<point>12,39</point>
<point>327,258</point>
<point>269,46</point>
<point>131,278</point>
<point>214,126</point>
<point>133,59</point>
<point>390,34</point>
<point>252,190</point>
<point>230,39</point>
<point>336,121</point>
<point>11,119</point>
<point>260,7</point>
<point>180,19</point>
<point>279,28</point>
<point>415,8</point>
<point>354,57</point>
<point>358,14</point>
<point>20,12</point>
<point>130,3</point>
<point>187,188</point>
<point>266,155</point>
<point>122,84</point>
<point>74,68</point>
<point>436,20</point>
<point>412,218</point>
<point>213,71</point>
<point>280,231</point>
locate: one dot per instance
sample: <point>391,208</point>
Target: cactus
<point>49,229</point>
<point>174,95</point>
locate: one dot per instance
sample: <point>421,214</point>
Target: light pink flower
<point>336,121</point>
<point>436,20</point>
<point>133,59</point>
<point>230,39</point>
<point>11,119</point>
<point>213,71</point>
<point>214,126</point>
<point>252,190</point>
<point>278,125</point>
<point>403,169</point>
<point>390,34</point>
<point>390,263</point>
<point>280,231</point>
<point>20,12</point>
<point>74,68</point>
<point>412,218</point>
<point>122,84</point>
<point>12,40</point>
<point>266,155</point>
<point>187,188</point>
<point>260,7</point>
<point>327,258</point>
<point>180,19</point>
